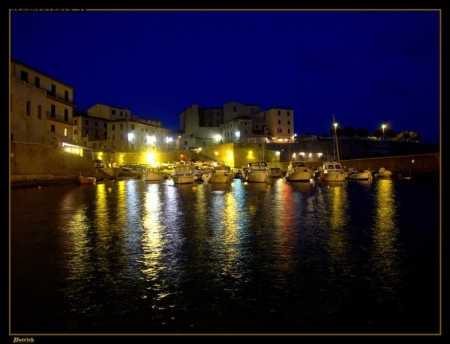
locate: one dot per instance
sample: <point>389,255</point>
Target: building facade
<point>235,122</point>
<point>41,107</point>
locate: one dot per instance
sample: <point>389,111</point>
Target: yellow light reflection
<point>385,229</point>
<point>337,234</point>
<point>152,231</point>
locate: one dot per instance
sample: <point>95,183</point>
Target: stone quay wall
<point>38,164</point>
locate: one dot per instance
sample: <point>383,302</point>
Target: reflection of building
<point>234,122</point>
<point>41,107</point>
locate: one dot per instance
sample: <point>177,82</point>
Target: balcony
<point>54,96</point>
<point>58,118</point>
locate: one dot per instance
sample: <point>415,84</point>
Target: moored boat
<point>275,172</point>
<point>152,174</point>
<point>183,174</point>
<point>257,172</point>
<point>359,175</point>
<point>298,171</point>
<point>86,180</point>
<point>220,174</point>
<point>383,173</point>
<point>332,171</point>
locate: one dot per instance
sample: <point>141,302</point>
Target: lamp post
<point>383,126</point>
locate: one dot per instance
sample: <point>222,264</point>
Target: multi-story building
<point>235,122</point>
<point>116,129</point>
<point>278,124</point>
<point>41,107</point>
<point>90,131</point>
<point>137,134</point>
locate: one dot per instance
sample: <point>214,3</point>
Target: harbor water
<point>134,257</point>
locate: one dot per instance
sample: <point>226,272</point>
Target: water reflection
<point>133,256</point>
<point>385,251</point>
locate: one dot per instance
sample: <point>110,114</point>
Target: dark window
<point>28,108</point>
<point>37,82</point>
<point>24,76</point>
<point>53,111</point>
<point>86,122</point>
<point>113,112</point>
<point>53,89</point>
<point>66,96</point>
<point>39,111</point>
<point>96,123</point>
<point>66,115</point>
<point>53,128</point>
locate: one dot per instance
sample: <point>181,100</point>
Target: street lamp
<point>383,126</point>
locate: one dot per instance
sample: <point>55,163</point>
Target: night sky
<point>367,67</point>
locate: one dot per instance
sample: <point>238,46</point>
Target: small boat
<point>275,172</point>
<point>131,171</point>
<point>359,175</point>
<point>257,172</point>
<point>383,173</point>
<point>220,174</point>
<point>332,171</point>
<point>152,174</point>
<point>183,174</point>
<point>298,171</point>
<point>86,180</point>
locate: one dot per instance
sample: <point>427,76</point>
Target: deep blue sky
<point>366,67</point>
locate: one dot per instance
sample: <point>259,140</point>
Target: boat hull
<point>300,176</point>
<point>220,178</point>
<point>86,180</point>
<point>366,175</point>
<point>183,179</point>
<point>334,176</point>
<point>257,176</point>
<point>152,177</point>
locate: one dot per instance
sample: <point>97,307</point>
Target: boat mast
<point>336,147</point>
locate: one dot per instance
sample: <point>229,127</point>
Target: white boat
<point>298,171</point>
<point>383,173</point>
<point>220,174</point>
<point>257,172</point>
<point>275,172</point>
<point>332,171</point>
<point>183,174</point>
<point>152,174</point>
<point>359,175</point>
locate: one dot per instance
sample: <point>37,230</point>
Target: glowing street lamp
<point>382,127</point>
